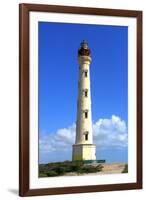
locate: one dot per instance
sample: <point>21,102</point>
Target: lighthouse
<point>84,149</point>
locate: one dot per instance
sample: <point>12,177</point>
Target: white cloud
<point>110,133</point>
<point>107,133</point>
<point>62,140</point>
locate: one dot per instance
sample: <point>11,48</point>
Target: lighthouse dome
<point>84,49</point>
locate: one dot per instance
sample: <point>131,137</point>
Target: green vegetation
<point>125,169</point>
<point>42,175</point>
<point>62,168</point>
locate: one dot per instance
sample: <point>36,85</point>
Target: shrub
<point>75,168</point>
<point>125,169</point>
<point>60,170</point>
<point>90,169</point>
<point>42,175</point>
<point>51,173</point>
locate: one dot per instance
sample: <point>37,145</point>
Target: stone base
<point>84,152</point>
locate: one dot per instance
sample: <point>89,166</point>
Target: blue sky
<point>58,78</point>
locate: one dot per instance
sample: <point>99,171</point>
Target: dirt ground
<point>113,168</point>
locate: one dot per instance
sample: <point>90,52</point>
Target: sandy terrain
<point>114,168</point>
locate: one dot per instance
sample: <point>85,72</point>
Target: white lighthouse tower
<point>84,149</point>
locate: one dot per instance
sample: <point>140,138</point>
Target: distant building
<point>84,149</point>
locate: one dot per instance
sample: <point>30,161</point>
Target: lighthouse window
<point>86,93</point>
<point>86,114</point>
<point>86,135</point>
<point>86,73</point>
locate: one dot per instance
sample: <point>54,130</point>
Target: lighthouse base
<point>84,152</point>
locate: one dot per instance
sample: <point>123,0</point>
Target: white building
<point>84,149</point>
